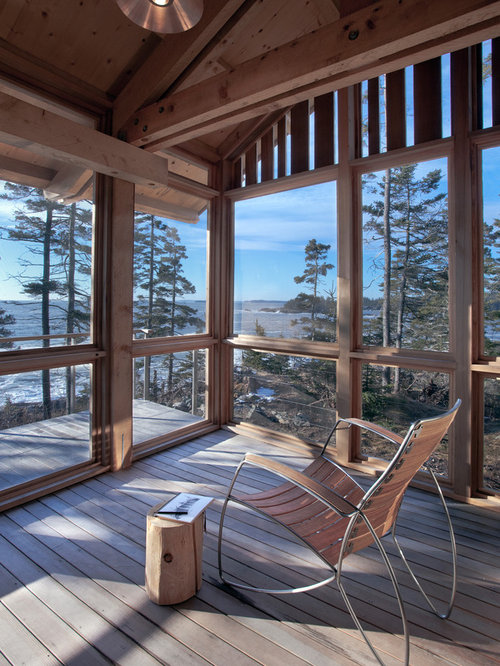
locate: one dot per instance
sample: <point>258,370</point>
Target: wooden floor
<point>72,579</point>
<point>31,450</point>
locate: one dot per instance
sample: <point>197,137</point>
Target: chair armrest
<point>318,490</point>
<point>373,427</point>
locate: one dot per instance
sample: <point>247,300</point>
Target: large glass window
<point>289,394</point>
<point>395,398</point>
<point>45,422</point>
<point>491,252</point>
<point>285,264</point>
<point>169,393</point>
<point>45,269</point>
<point>170,276</point>
<point>491,437</point>
<point>405,257</point>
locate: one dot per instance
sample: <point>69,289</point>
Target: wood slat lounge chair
<point>329,512</point>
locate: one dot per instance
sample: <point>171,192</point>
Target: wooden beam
<point>68,182</point>
<point>170,59</point>
<point>19,67</point>
<point>45,133</point>
<point>383,37</point>
<point>24,173</point>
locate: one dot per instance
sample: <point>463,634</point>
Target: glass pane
<point>405,257</point>
<point>491,252</point>
<point>170,276</point>
<point>45,423</point>
<point>45,269</point>
<point>169,393</point>
<point>289,394</point>
<point>395,398</point>
<point>491,445</point>
<point>285,264</point>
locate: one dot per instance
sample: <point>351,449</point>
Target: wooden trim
<point>26,360</point>
<point>406,358</point>
<point>422,152</point>
<point>491,369</point>
<point>49,484</point>
<point>173,438</point>
<point>160,346</point>
<point>323,175</point>
<point>288,346</point>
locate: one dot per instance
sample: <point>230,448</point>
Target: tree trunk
<point>70,312</point>
<point>402,295</point>
<point>46,397</point>
<point>149,320</point>
<point>386,307</point>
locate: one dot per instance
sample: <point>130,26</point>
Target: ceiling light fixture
<point>163,16</point>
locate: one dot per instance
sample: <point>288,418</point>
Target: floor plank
<point>72,578</point>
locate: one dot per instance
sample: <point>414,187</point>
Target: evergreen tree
<point>491,262</point>
<point>409,217</point>
<point>59,240</point>
<point>158,260</point>
<point>314,272</point>
<point>6,320</point>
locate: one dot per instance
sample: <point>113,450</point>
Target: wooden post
<point>461,246</point>
<point>119,310</point>
<point>347,272</point>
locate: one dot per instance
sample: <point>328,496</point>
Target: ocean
<point>26,387</point>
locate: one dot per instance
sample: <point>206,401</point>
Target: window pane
<point>491,252</point>
<point>169,393</point>
<point>491,442</point>
<point>405,257</point>
<point>289,394</point>
<point>45,268</point>
<point>44,423</point>
<point>285,264</point>
<point>395,398</point>
<point>170,276</point>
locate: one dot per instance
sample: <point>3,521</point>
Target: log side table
<point>174,549</point>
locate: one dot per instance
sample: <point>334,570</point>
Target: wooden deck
<point>31,450</point>
<point>72,579</point>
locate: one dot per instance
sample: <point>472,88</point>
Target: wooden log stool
<point>174,551</point>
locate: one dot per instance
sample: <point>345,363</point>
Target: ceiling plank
<point>170,59</point>
<point>374,40</point>
<point>45,133</point>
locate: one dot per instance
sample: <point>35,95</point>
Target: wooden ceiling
<point>202,92</point>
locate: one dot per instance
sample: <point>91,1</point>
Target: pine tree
<point>410,219</point>
<point>60,236</point>
<point>158,260</point>
<point>316,269</point>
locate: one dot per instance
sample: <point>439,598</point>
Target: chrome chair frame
<point>353,513</point>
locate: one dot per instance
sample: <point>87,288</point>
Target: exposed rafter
<point>171,58</point>
<point>380,38</point>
